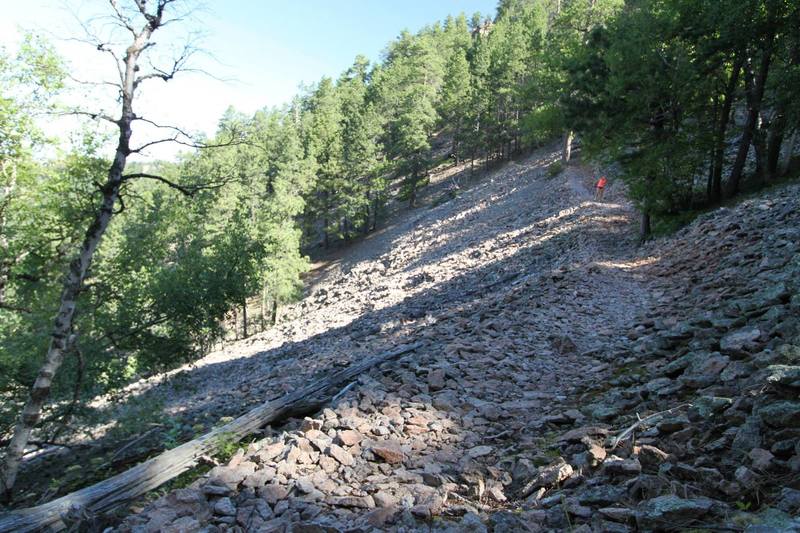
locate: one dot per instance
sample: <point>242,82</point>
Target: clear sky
<point>264,49</point>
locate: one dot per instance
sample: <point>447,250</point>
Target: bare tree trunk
<point>235,324</point>
<point>274,319</point>
<point>244,319</point>
<point>760,146</point>
<point>59,338</point>
<point>566,154</point>
<point>645,227</point>
<point>715,193</point>
<point>61,335</point>
<point>263,307</point>
<point>375,213</point>
<point>755,93</point>
<point>784,166</point>
<point>774,144</point>
<point>412,195</point>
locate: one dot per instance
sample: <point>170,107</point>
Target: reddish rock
<point>388,451</point>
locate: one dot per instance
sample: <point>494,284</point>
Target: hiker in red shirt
<point>600,188</point>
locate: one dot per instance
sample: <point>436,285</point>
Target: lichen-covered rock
<point>784,374</point>
<point>784,414</point>
<point>548,476</point>
<point>670,512</point>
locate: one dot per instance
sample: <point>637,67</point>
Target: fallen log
<point>112,492</point>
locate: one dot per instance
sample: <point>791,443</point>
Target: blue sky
<point>264,49</point>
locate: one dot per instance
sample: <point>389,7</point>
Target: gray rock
<point>384,499</point>
<point>772,520</point>
<point>789,501</point>
<point>273,493</point>
<point>602,495</point>
<point>617,514</point>
<point>651,457</point>
<point>679,365</point>
<point>428,507</point>
<point>185,524</point>
<point>672,424</point>
<point>774,294</point>
<point>436,379</point>
<point>602,411</point>
<point>657,384</point>
<point>224,507</point>
<point>668,513</point>
<point>704,370</point>
<point>479,451</point>
<point>746,477</point>
<point>227,476</point>
<point>617,466</point>
<point>305,485</point>
<point>735,341</point>
<point>706,407</point>
<point>507,522</point>
<point>212,489</point>
<point>762,459</point>
<point>340,454</point>
<point>785,414</point>
<point>736,370</point>
<point>784,374</point>
<point>363,502</point>
<point>748,436</point>
<point>548,476</point>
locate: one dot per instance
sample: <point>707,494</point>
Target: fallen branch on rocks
<point>147,476</point>
<point>625,434</point>
<point>342,392</point>
<point>498,435</point>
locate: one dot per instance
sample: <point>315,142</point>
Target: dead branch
<point>138,175</point>
<point>625,434</point>
<point>90,114</point>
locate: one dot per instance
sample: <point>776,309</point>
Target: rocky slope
<point>568,380</point>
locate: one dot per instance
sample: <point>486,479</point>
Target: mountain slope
<point>546,333</point>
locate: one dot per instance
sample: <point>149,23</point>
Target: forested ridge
<point>146,265</point>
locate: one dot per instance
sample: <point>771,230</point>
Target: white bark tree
<point>138,20</point>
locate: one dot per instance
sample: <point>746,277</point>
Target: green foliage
<point>554,169</point>
<point>743,506</point>
<point>643,84</point>
<point>650,90</point>
<point>225,445</point>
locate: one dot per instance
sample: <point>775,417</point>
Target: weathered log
<point>149,475</point>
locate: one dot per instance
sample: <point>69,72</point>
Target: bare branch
<point>90,114</point>
<point>184,190</point>
<point>176,129</point>
<point>121,18</point>
<point>179,64</point>
<point>141,148</point>
<point>190,190</point>
<point>95,83</point>
<point>184,138</point>
<point>189,144</point>
<point>103,45</point>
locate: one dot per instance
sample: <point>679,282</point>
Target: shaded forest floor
<point>545,331</point>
